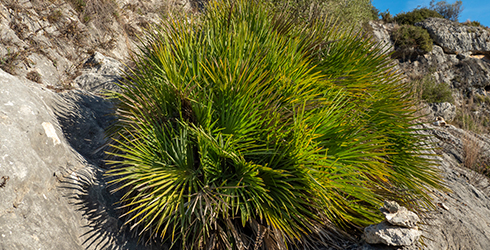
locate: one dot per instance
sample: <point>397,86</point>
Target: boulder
<point>390,207</point>
<point>402,218</point>
<point>397,215</point>
<point>399,228</point>
<point>384,233</point>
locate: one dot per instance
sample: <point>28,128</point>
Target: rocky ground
<point>52,191</point>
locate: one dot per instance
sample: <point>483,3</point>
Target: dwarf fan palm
<point>244,128</point>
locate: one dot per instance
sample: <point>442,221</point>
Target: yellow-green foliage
<point>246,128</point>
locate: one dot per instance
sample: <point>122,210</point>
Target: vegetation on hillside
<point>447,10</point>
<point>244,128</point>
<point>410,40</point>
<point>349,13</point>
<point>415,16</point>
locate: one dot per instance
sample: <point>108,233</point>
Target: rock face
<point>456,38</point>
<point>460,219</point>
<point>99,73</point>
<point>445,110</point>
<point>48,41</point>
<point>51,196</point>
<point>381,32</point>
<point>34,156</point>
<point>460,59</point>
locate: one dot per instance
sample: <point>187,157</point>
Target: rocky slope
<point>52,190</point>
<point>460,59</point>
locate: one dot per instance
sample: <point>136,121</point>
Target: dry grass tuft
<point>34,76</point>
<point>476,159</point>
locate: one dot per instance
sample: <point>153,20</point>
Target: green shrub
<point>447,10</point>
<point>432,91</point>
<point>245,129</point>
<point>415,16</point>
<point>386,16</point>
<point>411,40</point>
<point>474,24</point>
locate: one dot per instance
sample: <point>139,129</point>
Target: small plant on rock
<point>245,128</point>
<point>411,41</point>
<point>415,16</point>
<point>433,91</point>
<point>34,76</point>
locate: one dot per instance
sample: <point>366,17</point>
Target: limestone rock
<point>445,110</point>
<point>472,72</point>
<point>34,156</point>
<point>384,233</point>
<point>461,223</point>
<point>51,196</point>
<point>391,206</point>
<point>399,229</point>
<point>440,122</point>
<point>455,37</point>
<point>402,218</point>
<point>381,32</point>
<point>101,73</point>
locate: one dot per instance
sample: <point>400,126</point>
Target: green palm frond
<point>241,128</point>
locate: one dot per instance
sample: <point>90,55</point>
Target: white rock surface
<point>51,197</point>
<point>384,233</point>
<point>402,218</point>
<point>445,110</point>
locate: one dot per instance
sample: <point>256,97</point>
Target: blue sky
<point>474,10</point>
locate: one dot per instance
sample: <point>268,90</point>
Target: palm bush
<point>244,128</point>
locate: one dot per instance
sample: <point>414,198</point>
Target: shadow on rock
<point>84,118</point>
<point>88,191</point>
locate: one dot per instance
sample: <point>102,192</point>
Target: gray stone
<point>391,206</point>
<point>445,110</point>
<point>384,233</point>
<point>34,156</point>
<point>455,37</point>
<point>402,218</point>
<point>462,223</point>
<point>471,72</point>
<point>381,32</point>
<point>52,197</point>
<point>102,73</point>
<point>86,120</point>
